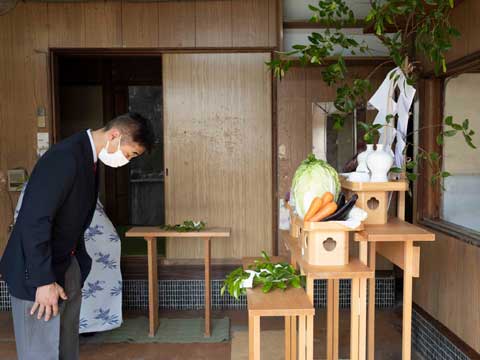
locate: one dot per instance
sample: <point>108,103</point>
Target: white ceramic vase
<point>362,159</point>
<point>379,162</point>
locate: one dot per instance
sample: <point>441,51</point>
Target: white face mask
<point>115,159</point>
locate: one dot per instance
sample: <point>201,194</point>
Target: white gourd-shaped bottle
<point>362,159</point>
<point>379,162</point>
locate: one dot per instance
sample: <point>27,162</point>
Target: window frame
<point>428,196</point>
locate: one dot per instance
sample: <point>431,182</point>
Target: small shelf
<point>354,269</point>
<point>156,231</point>
<point>394,230</point>
<point>397,185</point>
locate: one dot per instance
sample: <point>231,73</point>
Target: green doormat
<point>172,331</point>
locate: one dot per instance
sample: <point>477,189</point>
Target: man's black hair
<point>136,127</point>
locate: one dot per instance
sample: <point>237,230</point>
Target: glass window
<point>460,202</point>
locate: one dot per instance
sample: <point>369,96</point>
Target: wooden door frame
<point>55,53</point>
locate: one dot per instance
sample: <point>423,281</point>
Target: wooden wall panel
<point>5,126</point>
<point>449,286</point>
<point>140,24</point>
<point>291,131</point>
<point>273,15</point>
<point>176,25</point>
<point>66,22</point>
<point>473,23</point>
<point>459,19</point>
<point>218,150</point>
<point>213,19</point>
<point>465,17</point>
<point>36,78</point>
<point>250,22</point>
<point>28,31</point>
<point>103,24</point>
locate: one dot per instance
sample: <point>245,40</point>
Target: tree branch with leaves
<point>400,25</point>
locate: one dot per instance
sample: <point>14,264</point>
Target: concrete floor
<point>388,339</point>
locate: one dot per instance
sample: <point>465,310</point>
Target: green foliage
<point>268,275</point>
<point>186,226</point>
<point>431,159</point>
<point>396,23</point>
<point>399,25</point>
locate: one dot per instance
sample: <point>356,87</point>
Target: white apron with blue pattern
<point>102,292</point>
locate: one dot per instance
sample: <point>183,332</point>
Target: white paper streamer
<point>383,101</point>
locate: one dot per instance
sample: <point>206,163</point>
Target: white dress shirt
<point>89,132</point>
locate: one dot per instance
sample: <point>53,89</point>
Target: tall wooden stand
<point>151,234</point>
<point>358,272</point>
<point>394,241</point>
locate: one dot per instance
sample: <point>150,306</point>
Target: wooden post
<point>309,290</point>
<point>401,205</point>
<point>371,303</point>
<point>251,350</point>
<point>354,322</point>
<point>254,337</point>
<point>288,338</point>
<point>407,301</point>
<point>362,332</point>
<point>330,312</point>
<point>207,250</point>
<point>293,338</point>
<point>336,311</point>
<point>333,287</point>
<point>301,337</point>
<point>152,286</point>
<point>310,337</point>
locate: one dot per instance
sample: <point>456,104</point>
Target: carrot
<point>326,198</point>
<point>315,205</point>
<point>325,211</point>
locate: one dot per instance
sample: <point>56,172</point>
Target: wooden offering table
<point>290,304</point>
<point>356,270</point>
<point>394,241</point>
<point>151,234</point>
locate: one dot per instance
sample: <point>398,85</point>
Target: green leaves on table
<point>268,275</point>
<point>186,226</point>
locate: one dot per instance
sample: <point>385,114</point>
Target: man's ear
<point>112,134</point>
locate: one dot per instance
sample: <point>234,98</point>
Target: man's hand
<point>46,300</point>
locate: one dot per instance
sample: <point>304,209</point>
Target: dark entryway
<point>91,90</point>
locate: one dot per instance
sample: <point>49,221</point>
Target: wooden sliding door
<point>218,150</point>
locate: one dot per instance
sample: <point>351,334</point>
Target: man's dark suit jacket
<point>57,208</point>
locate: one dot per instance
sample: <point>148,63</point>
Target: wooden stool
<point>292,304</point>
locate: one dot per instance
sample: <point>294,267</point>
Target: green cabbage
<point>313,178</point>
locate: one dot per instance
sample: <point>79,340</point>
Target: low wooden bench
<point>291,304</point>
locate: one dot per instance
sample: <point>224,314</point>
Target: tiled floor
<point>388,339</point>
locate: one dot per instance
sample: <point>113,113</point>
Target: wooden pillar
<point>288,338</point>
<point>371,304</point>
<point>431,116</point>
<point>407,301</point>
<point>301,337</point>
<point>310,337</point>
<point>207,251</point>
<point>354,322</point>
<point>253,337</point>
<point>336,311</point>
<point>330,312</point>
<point>152,286</point>
<point>362,330</point>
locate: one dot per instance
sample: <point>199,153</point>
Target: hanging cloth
<point>383,101</point>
